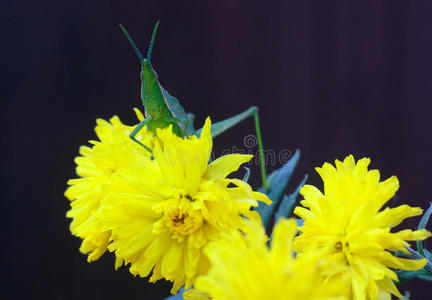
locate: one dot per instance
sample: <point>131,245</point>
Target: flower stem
<point>261,149</point>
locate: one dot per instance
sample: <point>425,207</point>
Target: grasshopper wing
<point>177,111</point>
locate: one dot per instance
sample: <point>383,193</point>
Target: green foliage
<point>428,255</point>
<point>222,126</point>
<point>406,296</point>
<point>426,272</point>
<point>278,181</point>
<point>246,176</point>
<point>288,202</point>
<point>422,225</point>
<point>405,275</point>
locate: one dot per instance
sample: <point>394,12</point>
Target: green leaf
<point>190,130</point>
<point>271,176</point>
<point>246,176</point>
<point>288,202</point>
<point>415,255</point>
<point>277,184</point>
<point>425,276</point>
<point>424,220</point>
<point>406,296</point>
<point>222,126</point>
<point>428,255</point>
<point>422,225</point>
<point>405,275</point>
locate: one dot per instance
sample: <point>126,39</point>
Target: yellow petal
<point>225,165</point>
<point>139,114</point>
<point>171,259</point>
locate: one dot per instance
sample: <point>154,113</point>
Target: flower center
<point>181,219</point>
<point>342,247</point>
<point>113,169</point>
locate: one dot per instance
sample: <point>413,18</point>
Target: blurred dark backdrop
<point>330,78</point>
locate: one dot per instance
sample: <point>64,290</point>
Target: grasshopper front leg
<point>222,126</point>
<point>135,132</point>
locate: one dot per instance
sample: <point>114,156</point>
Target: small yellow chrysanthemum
<point>97,166</point>
<point>167,208</point>
<point>349,217</point>
<point>245,268</point>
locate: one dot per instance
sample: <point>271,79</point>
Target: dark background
<point>330,77</point>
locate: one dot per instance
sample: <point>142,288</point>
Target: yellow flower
<point>349,217</point>
<point>245,268</point>
<point>97,166</point>
<point>167,208</point>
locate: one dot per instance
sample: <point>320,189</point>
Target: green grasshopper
<point>161,109</point>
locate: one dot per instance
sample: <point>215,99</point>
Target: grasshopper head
<point>148,75</point>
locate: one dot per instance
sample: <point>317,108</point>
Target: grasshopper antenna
<point>149,52</point>
<point>138,53</point>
